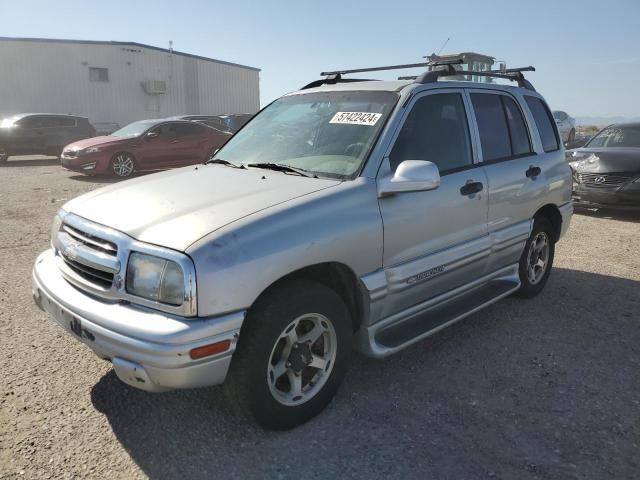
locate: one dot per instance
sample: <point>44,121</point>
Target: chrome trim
<point>78,236</point>
<point>116,264</point>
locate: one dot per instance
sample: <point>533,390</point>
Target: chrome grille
<point>603,180</point>
<point>88,256</point>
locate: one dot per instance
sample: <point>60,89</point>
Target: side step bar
<point>395,336</point>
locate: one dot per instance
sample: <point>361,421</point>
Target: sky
<point>586,53</point>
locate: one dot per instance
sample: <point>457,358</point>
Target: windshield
<point>616,136</point>
<point>134,129</point>
<point>327,134</point>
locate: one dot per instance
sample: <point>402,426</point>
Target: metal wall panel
<point>42,76</point>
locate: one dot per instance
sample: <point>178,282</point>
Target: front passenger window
<point>435,130</point>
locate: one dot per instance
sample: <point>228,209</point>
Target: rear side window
<point>518,133</point>
<point>184,129</point>
<point>544,122</point>
<point>492,126</point>
<point>435,130</point>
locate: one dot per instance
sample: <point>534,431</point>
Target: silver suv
<point>366,213</point>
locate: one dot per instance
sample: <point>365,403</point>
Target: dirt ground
<point>547,388</point>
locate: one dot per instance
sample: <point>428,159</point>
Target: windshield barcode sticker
<point>356,118</point>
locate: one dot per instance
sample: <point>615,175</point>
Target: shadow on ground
<point>104,178</point>
<point>30,162</point>
<point>541,388</point>
<point>609,213</point>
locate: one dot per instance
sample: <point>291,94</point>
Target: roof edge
<point>135,44</point>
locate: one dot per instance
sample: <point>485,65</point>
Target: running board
<point>398,335</point>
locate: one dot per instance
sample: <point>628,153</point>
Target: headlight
<point>155,278</point>
<point>55,227</point>
<point>90,150</point>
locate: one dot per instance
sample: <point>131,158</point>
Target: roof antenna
<point>434,56</point>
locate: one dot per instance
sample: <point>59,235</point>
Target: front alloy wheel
<point>122,165</point>
<point>292,354</point>
<point>537,258</point>
<point>302,359</point>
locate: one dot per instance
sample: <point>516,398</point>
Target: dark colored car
<point>606,171</point>
<point>228,123</point>
<point>145,145</point>
<point>41,133</point>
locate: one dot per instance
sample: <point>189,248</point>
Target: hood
<point>175,208</point>
<point>605,160</point>
<point>93,141</point>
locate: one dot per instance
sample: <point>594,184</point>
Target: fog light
<point>211,349</point>
<point>89,166</point>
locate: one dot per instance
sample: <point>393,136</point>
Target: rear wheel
<point>536,259</point>
<point>292,355</point>
<point>123,164</point>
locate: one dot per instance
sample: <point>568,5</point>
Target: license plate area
<point>66,320</point>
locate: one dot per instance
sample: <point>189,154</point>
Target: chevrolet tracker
<point>349,213</point>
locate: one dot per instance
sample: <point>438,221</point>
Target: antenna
<point>443,45</point>
<point>434,56</point>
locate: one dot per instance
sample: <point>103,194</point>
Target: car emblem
<point>599,180</point>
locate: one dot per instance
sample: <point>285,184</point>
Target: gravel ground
<point>544,388</point>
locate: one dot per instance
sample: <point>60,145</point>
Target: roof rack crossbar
<point>393,67</point>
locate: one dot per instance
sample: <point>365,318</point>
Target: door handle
<point>533,171</point>
<point>471,188</point>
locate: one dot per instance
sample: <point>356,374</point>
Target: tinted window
<point>518,133</point>
<point>58,122</point>
<point>492,126</point>
<point>544,122</point>
<point>184,129</point>
<point>435,130</point>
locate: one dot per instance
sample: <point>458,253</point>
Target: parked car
<point>41,133</point>
<point>606,171</point>
<point>144,145</point>
<point>227,123</point>
<point>366,213</point>
<point>566,126</point>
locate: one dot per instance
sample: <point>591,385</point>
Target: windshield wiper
<point>280,167</point>
<point>220,161</point>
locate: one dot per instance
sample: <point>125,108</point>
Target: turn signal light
<point>211,349</point>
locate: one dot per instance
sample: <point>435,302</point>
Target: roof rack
<point>437,69</point>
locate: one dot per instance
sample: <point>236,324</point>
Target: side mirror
<point>411,176</point>
<point>151,135</point>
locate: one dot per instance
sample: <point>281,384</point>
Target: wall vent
<point>155,87</point>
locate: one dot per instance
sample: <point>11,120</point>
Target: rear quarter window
<point>545,123</point>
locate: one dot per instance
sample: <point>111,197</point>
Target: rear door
<point>191,140</point>
<point>435,240</point>
<point>514,172</point>
<point>29,136</point>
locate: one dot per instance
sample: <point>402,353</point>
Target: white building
<point>119,81</point>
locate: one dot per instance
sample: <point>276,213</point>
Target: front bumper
<point>149,349</point>
<point>88,164</point>
<point>625,196</point>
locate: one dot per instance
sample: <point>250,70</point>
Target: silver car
<point>362,213</point>
<point>566,126</point>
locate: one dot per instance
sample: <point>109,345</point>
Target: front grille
<point>603,180</point>
<point>88,256</point>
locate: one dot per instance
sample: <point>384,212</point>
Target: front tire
<point>536,260</point>
<point>123,165</point>
<point>292,355</point>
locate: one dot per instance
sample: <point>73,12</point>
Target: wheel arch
<point>336,276</point>
<point>552,214</point>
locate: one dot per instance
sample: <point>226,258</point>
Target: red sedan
<point>144,145</point>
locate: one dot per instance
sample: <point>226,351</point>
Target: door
<point>513,171</point>
<point>29,136</point>
<point>161,147</point>
<point>191,140</point>
<point>435,240</point>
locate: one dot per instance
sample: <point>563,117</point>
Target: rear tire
<point>292,355</point>
<point>123,164</point>
<point>536,260</point>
